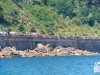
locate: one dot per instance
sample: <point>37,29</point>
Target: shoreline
<point>44,50</point>
<point>52,56</point>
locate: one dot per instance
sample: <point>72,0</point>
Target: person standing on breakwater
<point>36,35</point>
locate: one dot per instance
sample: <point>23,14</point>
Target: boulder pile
<point>43,50</point>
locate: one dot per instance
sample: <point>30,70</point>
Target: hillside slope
<point>70,17</point>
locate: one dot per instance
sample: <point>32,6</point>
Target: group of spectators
<point>36,35</point>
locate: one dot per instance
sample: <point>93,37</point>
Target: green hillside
<point>70,17</point>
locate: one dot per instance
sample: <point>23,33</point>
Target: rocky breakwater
<point>43,50</point>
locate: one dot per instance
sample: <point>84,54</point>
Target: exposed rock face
<point>43,50</point>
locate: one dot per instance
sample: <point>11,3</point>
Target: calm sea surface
<point>62,65</point>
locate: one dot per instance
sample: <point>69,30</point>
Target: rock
<point>40,48</point>
<point>7,52</point>
<point>13,48</point>
<point>38,55</point>
<point>24,53</point>
<point>45,54</point>
<point>58,47</point>
<point>52,53</point>
<point>1,54</point>
<point>32,53</point>
<point>40,45</point>
<point>48,47</point>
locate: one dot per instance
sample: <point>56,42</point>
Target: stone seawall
<point>23,43</point>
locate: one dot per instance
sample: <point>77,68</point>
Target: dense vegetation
<point>70,17</point>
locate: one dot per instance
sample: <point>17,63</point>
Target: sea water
<point>58,65</point>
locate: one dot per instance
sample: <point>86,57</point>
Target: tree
<point>33,30</point>
<point>21,28</point>
<point>1,12</point>
<point>91,19</point>
<point>65,8</point>
<point>45,2</point>
<point>90,3</point>
<point>52,3</point>
<point>84,11</point>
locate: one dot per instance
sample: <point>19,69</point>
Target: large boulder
<point>13,49</point>
<point>49,47</point>
<point>40,48</point>
<point>32,53</point>
<point>7,52</point>
<point>51,53</point>
<point>58,49</point>
<point>40,45</point>
<point>24,53</point>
